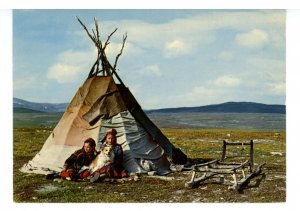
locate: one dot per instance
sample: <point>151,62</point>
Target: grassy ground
<point>198,144</point>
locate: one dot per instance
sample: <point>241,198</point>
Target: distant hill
<point>235,107</point>
<point>26,110</point>
<point>23,106</point>
<point>20,106</point>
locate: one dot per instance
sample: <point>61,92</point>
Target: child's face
<point>87,148</point>
<point>110,139</point>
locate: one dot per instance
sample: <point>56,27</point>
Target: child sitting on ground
<point>80,158</point>
<point>111,169</point>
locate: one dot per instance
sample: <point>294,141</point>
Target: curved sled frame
<point>241,173</point>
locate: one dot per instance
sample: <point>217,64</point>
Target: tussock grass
<point>196,143</point>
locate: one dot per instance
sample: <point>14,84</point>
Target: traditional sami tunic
<point>75,162</point>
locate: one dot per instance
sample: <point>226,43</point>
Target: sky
<point>172,58</point>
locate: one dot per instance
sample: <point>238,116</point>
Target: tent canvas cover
<point>99,104</point>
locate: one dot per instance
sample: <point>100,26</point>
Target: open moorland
<point>199,144</point>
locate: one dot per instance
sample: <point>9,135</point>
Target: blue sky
<point>172,58</point>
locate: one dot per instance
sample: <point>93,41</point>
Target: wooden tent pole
<point>106,66</point>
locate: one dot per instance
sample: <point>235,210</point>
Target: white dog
<point>105,155</point>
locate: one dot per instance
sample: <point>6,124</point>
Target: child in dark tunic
<point>80,158</point>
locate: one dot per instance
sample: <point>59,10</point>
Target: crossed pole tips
<point>107,68</point>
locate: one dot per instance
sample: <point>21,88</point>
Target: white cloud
<point>151,70</point>
<point>184,36</point>
<point>278,88</point>
<point>255,38</point>
<point>63,73</point>
<point>226,81</point>
<point>176,48</point>
<point>71,64</point>
<point>178,36</point>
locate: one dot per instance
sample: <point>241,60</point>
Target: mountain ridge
<point>39,107</point>
<point>235,107</point>
<point>23,106</point>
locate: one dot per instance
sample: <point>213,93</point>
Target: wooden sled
<point>241,172</point>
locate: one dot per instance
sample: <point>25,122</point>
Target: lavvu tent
<point>99,104</point>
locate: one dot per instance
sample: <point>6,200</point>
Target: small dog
<point>105,155</point>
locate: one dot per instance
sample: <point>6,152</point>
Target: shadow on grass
<point>258,180</point>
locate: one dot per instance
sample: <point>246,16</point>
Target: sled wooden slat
<point>244,182</point>
<point>207,163</point>
<point>197,181</point>
<point>240,166</point>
